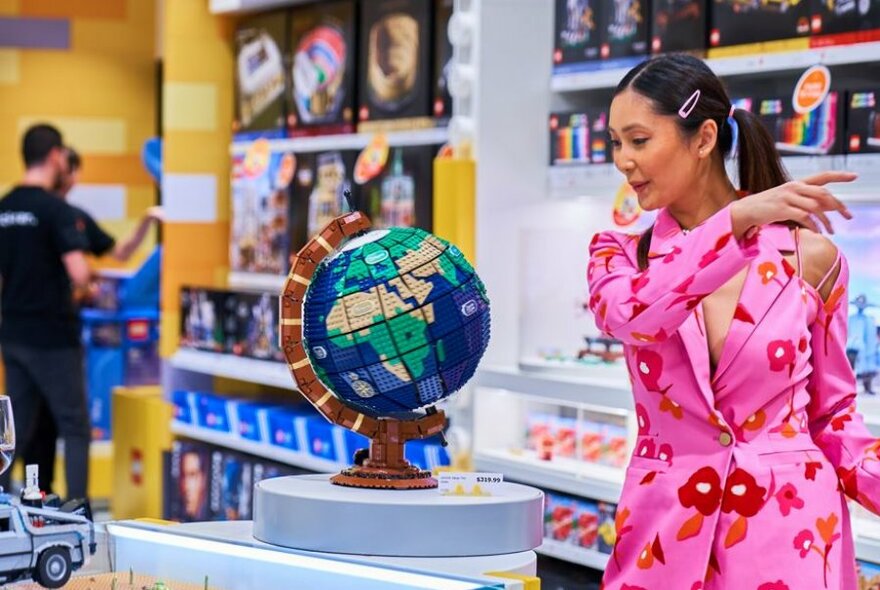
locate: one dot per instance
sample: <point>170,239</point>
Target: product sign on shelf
<point>372,159</point>
<point>626,206</point>
<point>811,89</point>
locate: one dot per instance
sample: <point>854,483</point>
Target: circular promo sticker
<point>372,159</point>
<point>811,89</point>
<point>626,206</point>
<point>256,158</point>
<point>286,170</point>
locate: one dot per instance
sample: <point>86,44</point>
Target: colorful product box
<point>189,482</point>
<point>321,440</point>
<point>559,516</point>
<point>580,138</point>
<point>607,530</point>
<point>252,419</point>
<point>402,194</point>
<point>185,406</point>
<point>863,122</point>
<point>212,412</point>
<point>679,25</point>
<point>260,46</point>
<point>284,428</point>
<point>740,22</point>
<point>395,81</point>
<point>841,22</point>
<point>869,575</point>
<point>818,132</point>
<point>577,34</point>
<point>321,86</point>
<point>625,30</point>
<point>201,318</point>
<point>615,451</point>
<point>586,524</point>
<point>592,442</point>
<point>442,60</point>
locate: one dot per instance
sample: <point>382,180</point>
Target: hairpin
<point>689,105</point>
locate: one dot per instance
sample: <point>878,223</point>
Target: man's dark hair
<point>74,162</point>
<point>38,141</point>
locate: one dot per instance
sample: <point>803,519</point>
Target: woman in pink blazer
<point>733,310</point>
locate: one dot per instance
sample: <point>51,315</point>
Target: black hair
<point>38,141</point>
<point>74,162</point>
<point>668,81</point>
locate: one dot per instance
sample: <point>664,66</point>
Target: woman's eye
<point>640,141</point>
<point>615,143</point>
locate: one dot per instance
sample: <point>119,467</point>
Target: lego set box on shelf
<point>260,47</point>
<point>580,137</point>
<point>395,82</point>
<point>121,337</point>
<point>841,22</point>
<point>204,482</point>
<point>744,22</point>
<point>579,522</point>
<point>863,122</point>
<point>679,25</point>
<point>239,323</point>
<point>285,426</point>
<point>321,95</point>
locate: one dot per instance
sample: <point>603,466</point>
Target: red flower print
<point>743,315</point>
<point>646,448</point>
<point>839,423</point>
<point>671,255</point>
<point>665,453</point>
<point>802,344</point>
<point>788,499</point>
<point>743,494</point>
<point>643,419</point>
<point>685,285</point>
<point>667,404</point>
<point>777,585</point>
<point>804,542</point>
<point>630,587</point>
<point>810,470</point>
<point>755,421</point>
<point>788,268</point>
<point>595,240</point>
<point>768,272</point>
<point>638,281</point>
<point>702,491</point>
<point>649,365</point>
<point>780,353</point>
<point>708,258</point>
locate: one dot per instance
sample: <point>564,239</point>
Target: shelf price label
<point>453,483</point>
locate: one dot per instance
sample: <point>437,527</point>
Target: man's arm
<point>123,250</point>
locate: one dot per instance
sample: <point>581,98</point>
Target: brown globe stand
<point>385,465</point>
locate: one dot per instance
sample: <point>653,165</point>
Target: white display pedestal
<point>307,512</point>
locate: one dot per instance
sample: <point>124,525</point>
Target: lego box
<point>679,25</point>
<point>580,138</point>
<point>863,122</point>
<point>260,45</point>
<point>740,22</point>
<point>818,132</point>
<point>201,319</point>
<point>442,60</point>
<point>839,22</point>
<point>625,28</point>
<point>394,87</point>
<point>321,94</point>
<point>402,194</point>
<point>577,34</point>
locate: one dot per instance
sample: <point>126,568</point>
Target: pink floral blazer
<point>738,480</point>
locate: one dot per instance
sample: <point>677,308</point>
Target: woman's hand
<point>803,201</point>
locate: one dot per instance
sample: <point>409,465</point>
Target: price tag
<point>469,484</point>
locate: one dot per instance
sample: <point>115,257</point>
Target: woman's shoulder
<point>820,258</point>
<point>611,238</point>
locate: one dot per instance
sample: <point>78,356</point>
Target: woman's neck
<point>709,195</point>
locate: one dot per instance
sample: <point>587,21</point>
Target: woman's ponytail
<point>760,167</point>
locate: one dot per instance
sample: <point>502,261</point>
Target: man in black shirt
<point>43,270</point>
<point>41,449</point>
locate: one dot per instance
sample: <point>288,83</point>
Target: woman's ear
<point>706,138</point>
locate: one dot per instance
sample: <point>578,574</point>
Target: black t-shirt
<point>99,241</point>
<point>36,229</point>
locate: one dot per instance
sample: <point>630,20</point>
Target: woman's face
<point>658,162</point>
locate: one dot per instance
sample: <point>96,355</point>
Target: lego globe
<point>397,320</point>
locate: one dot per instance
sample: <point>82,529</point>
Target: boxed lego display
<point>868,574</point>
<point>679,25</point>
<point>189,482</point>
<point>862,122</point>
<point>321,94</point>
<point>580,138</point>
<point>201,319</point>
<point>394,83</point>
<point>260,46</point>
<point>625,30</point>
<point>259,239</point>
<point>841,22</point>
<point>740,22</point>
<point>576,34</point>
<point>442,60</point>
<point>401,195</point>
<point>317,194</point>
<point>818,132</point>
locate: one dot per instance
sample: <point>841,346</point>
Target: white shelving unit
<point>733,66</point>
<point>579,555</point>
<point>265,451</point>
<point>349,141</point>
<point>230,366</point>
<point>256,281</point>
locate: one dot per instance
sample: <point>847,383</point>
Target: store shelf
<point>598,482</point>
<point>733,66</point>
<point>590,180</point>
<point>349,141</point>
<point>239,6</point>
<point>599,386</point>
<point>265,451</point>
<point>565,551</point>
<point>257,281</point>
<point>271,373</point>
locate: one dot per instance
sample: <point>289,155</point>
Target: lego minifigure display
<point>260,44</point>
<point>577,34</point>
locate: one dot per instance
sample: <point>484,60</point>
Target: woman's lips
<point>639,187</point>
